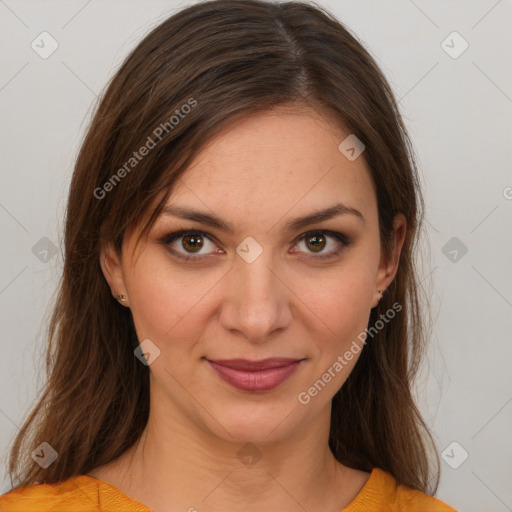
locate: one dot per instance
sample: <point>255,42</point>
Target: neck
<point>176,465</point>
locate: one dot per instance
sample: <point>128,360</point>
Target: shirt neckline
<point>361,495</point>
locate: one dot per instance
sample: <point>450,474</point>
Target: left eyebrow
<point>292,225</point>
<point>321,215</point>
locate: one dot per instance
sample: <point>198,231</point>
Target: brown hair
<point>223,61</point>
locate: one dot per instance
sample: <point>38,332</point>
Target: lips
<point>247,364</point>
<point>262,375</point>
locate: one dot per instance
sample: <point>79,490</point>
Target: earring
<point>121,298</point>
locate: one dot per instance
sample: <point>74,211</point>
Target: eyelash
<point>171,237</point>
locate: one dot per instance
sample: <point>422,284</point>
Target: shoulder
<point>77,493</point>
<point>382,492</point>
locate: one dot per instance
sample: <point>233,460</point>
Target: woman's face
<point>262,289</point>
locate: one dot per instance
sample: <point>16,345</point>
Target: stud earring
<point>121,297</point>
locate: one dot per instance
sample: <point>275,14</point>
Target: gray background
<point>458,111</point>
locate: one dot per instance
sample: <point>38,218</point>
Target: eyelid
<point>167,239</point>
<point>341,238</point>
<point>176,235</point>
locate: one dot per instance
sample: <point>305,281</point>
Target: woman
<point>238,322</point>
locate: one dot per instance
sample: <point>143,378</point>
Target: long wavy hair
<point>199,70</point>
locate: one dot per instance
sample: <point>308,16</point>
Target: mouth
<point>262,375</point>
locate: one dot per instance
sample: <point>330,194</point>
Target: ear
<point>110,263</point>
<point>388,267</point>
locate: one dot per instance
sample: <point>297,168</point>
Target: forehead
<point>275,161</point>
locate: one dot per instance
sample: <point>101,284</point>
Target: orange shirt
<point>83,493</point>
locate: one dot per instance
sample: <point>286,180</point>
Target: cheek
<point>345,310</point>
<point>341,297</point>
<point>339,305</point>
<point>164,299</point>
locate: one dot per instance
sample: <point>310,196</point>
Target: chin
<point>260,425</point>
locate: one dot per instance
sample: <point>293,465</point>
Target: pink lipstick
<point>262,375</point>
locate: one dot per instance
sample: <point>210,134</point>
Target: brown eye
<point>186,244</point>
<point>315,242</point>
<point>323,244</point>
<point>192,243</point>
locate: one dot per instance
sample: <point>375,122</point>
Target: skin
<point>257,174</point>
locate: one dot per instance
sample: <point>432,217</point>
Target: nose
<point>256,302</point>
